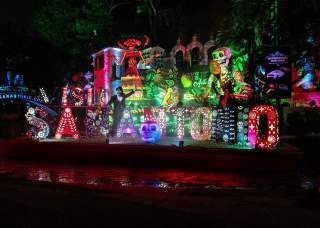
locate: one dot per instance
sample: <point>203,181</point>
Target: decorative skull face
<point>150,131</point>
<point>222,56</point>
<point>132,43</point>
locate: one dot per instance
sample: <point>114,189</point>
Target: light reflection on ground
<point>106,176</point>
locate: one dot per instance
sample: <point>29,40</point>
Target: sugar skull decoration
<point>149,129</point>
<point>222,56</point>
<point>225,77</point>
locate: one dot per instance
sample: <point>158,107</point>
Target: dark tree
<point>268,23</point>
<point>77,26</point>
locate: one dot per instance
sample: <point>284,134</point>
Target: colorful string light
<point>180,113</point>
<point>67,125</point>
<point>97,123</point>
<point>64,96</point>
<point>44,95</point>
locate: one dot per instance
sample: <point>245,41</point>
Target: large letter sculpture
<point>202,132</point>
<point>67,125</point>
<point>271,138</point>
<point>42,127</point>
<point>180,113</point>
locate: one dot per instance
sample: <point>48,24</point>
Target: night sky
<point>17,12</point>
<point>201,17</point>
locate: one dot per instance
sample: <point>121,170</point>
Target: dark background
<point>24,51</point>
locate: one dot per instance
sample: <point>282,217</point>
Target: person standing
<point>119,105</point>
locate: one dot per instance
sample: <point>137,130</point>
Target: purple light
<point>127,130</point>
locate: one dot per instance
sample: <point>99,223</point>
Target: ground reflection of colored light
<point>102,176</point>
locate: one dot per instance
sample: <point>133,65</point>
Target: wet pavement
<point>49,194</point>
<point>26,203</point>
<point>103,176</point>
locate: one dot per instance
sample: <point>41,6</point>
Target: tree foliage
<point>249,20</point>
<point>255,24</point>
<point>77,26</point>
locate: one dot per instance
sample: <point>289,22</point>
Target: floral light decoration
<point>201,133</point>
<point>161,87</point>
<point>271,138</point>
<point>97,123</point>
<point>42,128</point>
